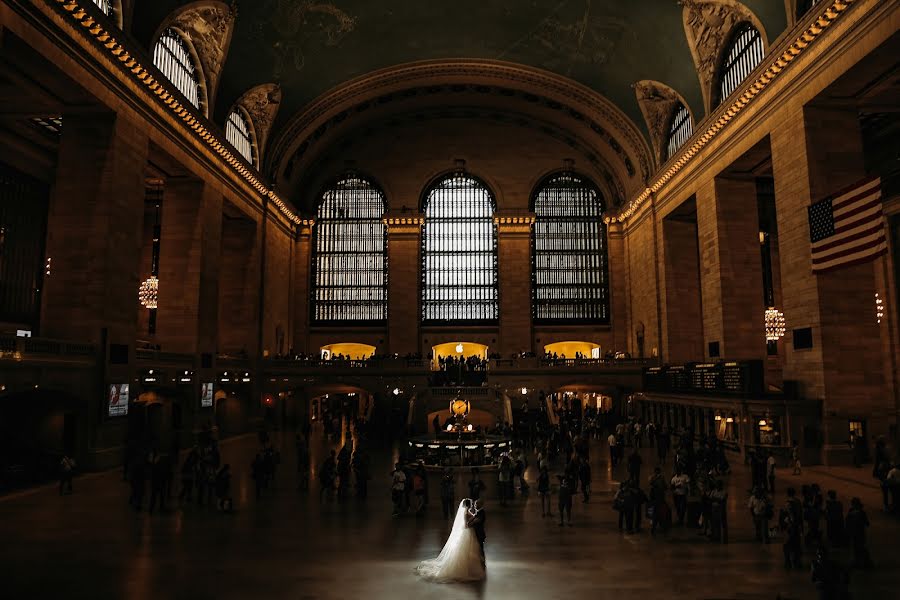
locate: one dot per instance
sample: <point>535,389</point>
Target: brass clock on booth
<point>459,407</point>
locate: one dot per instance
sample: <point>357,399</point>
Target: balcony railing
<point>23,348</point>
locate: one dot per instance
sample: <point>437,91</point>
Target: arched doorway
<point>573,349</point>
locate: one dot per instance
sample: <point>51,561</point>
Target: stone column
<point>239,286</point>
<point>190,249</point>
<point>302,285</point>
<point>94,231</point>
<point>681,306</point>
<point>404,297</point>
<point>731,269</point>
<point>817,152</point>
<point>618,291</point>
<point>514,278</point>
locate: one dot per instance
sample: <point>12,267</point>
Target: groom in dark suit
<point>476,521</point>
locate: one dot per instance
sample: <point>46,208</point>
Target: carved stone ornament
<point>707,25</point>
<point>262,103</point>
<point>657,102</point>
<point>209,26</point>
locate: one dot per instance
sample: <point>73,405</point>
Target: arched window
<point>570,273</point>
<point>743,54</point>
<point>680,130</point>
<point>237,132</point>
<point>459,252</point>
<point>171,56</point>
<point>349,261</point>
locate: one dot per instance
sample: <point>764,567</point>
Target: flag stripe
<point>848,227</point>
<point>847,252</point>
<point>857,259</point>
<point>857,235</point>
<point>849,209</point>
<point>860,187</point>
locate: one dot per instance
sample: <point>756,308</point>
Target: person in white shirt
<point>613,452</point>
<point>398,487</point>
<point>680,488</point>
<point>770,472</point>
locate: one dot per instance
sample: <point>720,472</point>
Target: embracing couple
<point>462,558</point>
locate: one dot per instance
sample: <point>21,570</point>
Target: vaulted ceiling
<point>309,47</point>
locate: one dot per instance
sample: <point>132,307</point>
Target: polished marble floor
<point>287,544</point>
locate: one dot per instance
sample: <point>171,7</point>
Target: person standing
<point>613,454</point>
<point>326,476</point>
<point>476,485</point>
<point>634,466</point>
<point>223,488</point>
<point>584,476</point>
<point>360,462</point>
<point>856,524</point>
<point>157,482</point>
<point>398,488</point>
<point>504,479</point>
<point>448,492</point>
<point>188,472</point>
<point>770,472</point>
<point>792,528</point>
<point>658,506</point>
<point>66,472</point>
<point>795,459</point>
<point>663,441</point>
<point>761,510</point>
<point>718,499</point>
<point>544,492</point>
<point>834,520</point>
<point>680,487</point>
<point>302,450</point>
<point>566,489</point>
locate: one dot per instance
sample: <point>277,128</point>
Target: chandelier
<point>148,292</point>
<point>879,307</point>
<point>774,324</point>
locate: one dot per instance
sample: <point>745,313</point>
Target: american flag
<point>847,228</point>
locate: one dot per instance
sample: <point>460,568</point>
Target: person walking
<point>223,488</point>
<point>634,466</point>
<point>66,472</point>
<point>326,477</point>
<point>795,459</point>
<point>718,512</point>
<point>761,510</point>
<point>856,524</point>
<point>792,528</point>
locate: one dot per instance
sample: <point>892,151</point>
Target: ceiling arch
<point>519,88</point>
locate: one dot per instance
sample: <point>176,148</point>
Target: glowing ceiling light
<point>148,292</point>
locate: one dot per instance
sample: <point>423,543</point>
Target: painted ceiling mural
<point>308,47</point>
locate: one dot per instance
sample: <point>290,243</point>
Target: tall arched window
<point>349,261</point>
<point>171,56</point>
<point>237,132</point>
<point>741,57</point>
<point>680,130</point>
<point>459,252</point>
<point>570,273</point>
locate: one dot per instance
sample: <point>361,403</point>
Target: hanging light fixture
<point>774,324</point>
<point>879,307</point>
<point>148,292</point>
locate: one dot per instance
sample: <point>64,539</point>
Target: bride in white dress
<point>460,559</point>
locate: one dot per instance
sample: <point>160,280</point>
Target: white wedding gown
<point>460,559</point>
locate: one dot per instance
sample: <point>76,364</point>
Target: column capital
<point>403,222</point>
<point>304,227</point>
<point>514,221</point>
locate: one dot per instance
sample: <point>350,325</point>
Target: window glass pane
<point>349,264</point>
<point>743,56</point>
<point>237,132</point>
<point>570,262</point>
<point>459,252</point>
<point>680,130</point>
<point>172,58</point>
